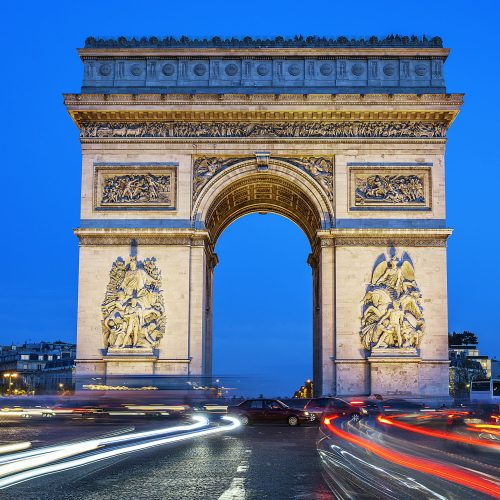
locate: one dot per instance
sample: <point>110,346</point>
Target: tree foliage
<point>462,338</point>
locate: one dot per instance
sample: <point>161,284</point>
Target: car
<point>396,405</point>
<point>334,406</point>
<point>268,410</point>
<point>316,407</point>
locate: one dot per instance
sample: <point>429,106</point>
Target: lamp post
<point>10,376</point>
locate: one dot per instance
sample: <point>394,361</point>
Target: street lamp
<point>10,376</point>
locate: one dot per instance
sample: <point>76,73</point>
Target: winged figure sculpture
<point>392,314</point>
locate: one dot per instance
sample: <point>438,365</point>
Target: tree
<point>462,338</point>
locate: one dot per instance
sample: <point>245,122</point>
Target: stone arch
<point>278,186</point>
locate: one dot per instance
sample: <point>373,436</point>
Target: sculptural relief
<point>133,312</point>
<point>132,187</point>
<point>311,129</point>
<point>206,167</point>
<point>137,188</point>
<point>392,314</point>
<point>390,188</point>
<point>320,168</point>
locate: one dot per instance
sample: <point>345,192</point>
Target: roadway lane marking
<point>236,490</point>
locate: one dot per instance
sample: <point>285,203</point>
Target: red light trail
<point>436,434</point>
<point>448,472</point>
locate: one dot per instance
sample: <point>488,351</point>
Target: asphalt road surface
<point>257,462</point>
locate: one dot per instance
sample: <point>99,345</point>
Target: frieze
<point>347,129</point>
<point>390,188</point>
<point>134,187</point>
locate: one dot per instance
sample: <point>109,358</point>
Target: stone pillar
<point>327,319</point>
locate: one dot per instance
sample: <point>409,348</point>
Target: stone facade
<point>166,167</point>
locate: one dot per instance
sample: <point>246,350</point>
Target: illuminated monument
<point>344,137</point>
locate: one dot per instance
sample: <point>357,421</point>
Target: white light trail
<point>35,458</point>
<point>70,464</point>
<point>10,448</point>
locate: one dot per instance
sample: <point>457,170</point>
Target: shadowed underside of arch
<point>262,193</point>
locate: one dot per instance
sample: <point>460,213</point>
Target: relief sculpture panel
<point>134,187</point>
<point>392,314</point>
<point>390,189</point>
<point>124,130</point>
<point>133,312</point>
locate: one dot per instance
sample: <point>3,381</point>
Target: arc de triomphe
<point>344,137</point>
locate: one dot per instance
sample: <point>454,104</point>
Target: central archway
<point>262,328</point>
<point>279,186</point>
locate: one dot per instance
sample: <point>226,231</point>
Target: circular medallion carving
<point>389,69</point>
<point>231,69</point>
<point>105,69</point>
<point>357,69</point>
<point>136,70</point>
<point>200,69</point>
<point>262,69</point>
<point>294,69</point>
<point>420,69</point>
<point>168,69</point>
<point>326,69</point>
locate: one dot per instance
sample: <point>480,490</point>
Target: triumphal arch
<point>346,138</point>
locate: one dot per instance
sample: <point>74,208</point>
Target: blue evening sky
<point>262,293</point>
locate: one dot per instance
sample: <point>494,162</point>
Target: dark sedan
<point>268,410</point>
<point>334,406</point>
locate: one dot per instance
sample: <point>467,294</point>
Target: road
<point>255,462</point>
<point>385,457</point>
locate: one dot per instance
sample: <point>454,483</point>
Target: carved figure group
<point>392,315</point>
<point>390,189</point>
<point>133,310</point>
<point>136,188</point>
<point>278,129</point>
<point>321,169</point>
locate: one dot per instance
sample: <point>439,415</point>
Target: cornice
<point>280,107</point>
<point>259,116</point>
<point>266,140</point>
<point>142,236</point>
<point>124,53</point>
<point>384,237</point>
<point>454,100</point>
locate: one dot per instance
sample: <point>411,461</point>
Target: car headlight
<point>306,413</point>
<point>364,411</point>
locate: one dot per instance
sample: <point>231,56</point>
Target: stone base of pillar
<point>394,372</point>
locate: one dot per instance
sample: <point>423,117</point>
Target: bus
<point>485,390</point>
